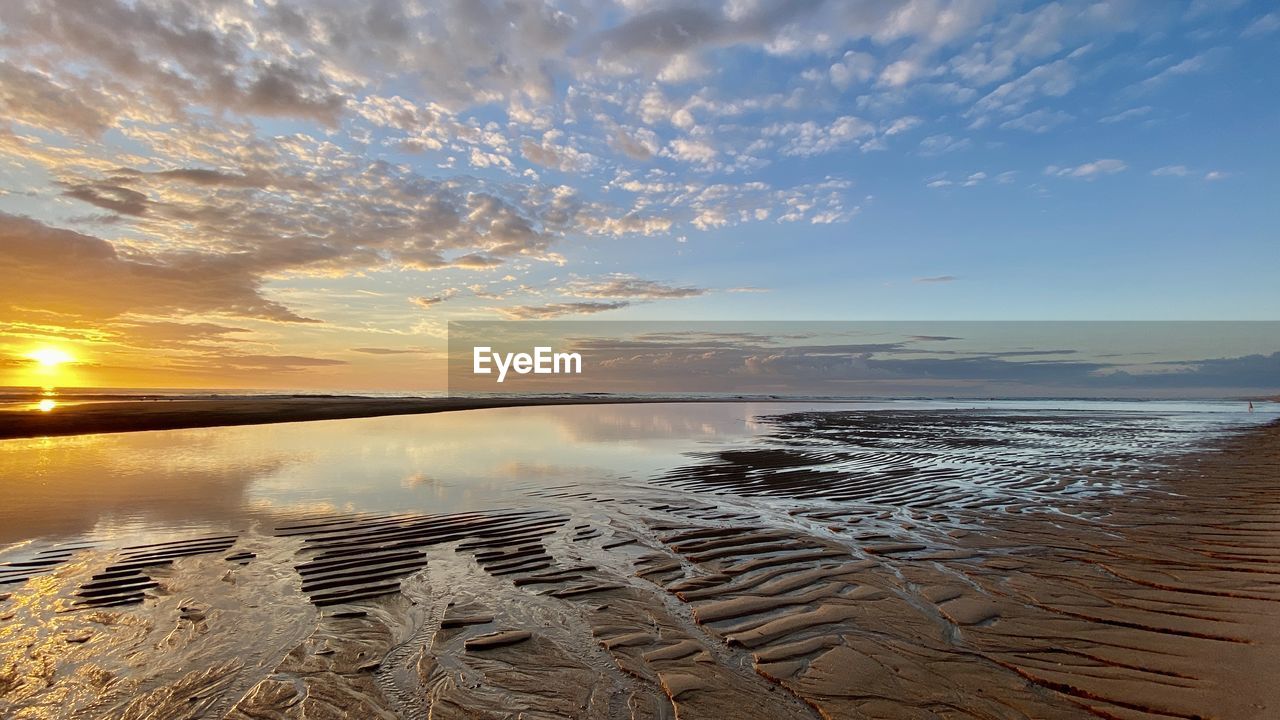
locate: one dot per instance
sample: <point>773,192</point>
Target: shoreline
<point>148,415</point>
<point>829,568</point>
<point>184,413</point>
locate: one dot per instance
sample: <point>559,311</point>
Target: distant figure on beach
<point>1250,406</point>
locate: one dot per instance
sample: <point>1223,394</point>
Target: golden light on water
<point>46,405</point>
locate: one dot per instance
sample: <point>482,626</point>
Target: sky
<point>268,194</point>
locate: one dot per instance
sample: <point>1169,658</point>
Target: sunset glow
<point>50,356</point>
<point>307,196</point>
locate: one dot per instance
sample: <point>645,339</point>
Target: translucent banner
<point>866,359</point>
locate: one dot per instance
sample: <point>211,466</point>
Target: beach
<point>638,360</point>
<point>134,415</point>
<point>836,562</point>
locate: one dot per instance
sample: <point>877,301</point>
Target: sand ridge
<point>852,564</point>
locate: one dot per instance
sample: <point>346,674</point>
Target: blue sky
<point>250,189</point>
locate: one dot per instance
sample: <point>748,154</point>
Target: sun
<point>50,357</point>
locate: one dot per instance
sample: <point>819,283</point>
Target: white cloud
<point>621,285</point>
<point>692,151</point>
<point>1264,25</point>
<point>852,69</point>
<point>552,310</point>
<point>682,68</point>
<point>1089,170</point>
<point>558,156</point>
<point>901,72</point>
<point>809,138</point>
<point>1196,63</point>
<point>1183,171</point>
<point>942,143</point>
<point>1038,121</point>
<point>427,302</point>
<point>902,124</point>
<point>1131,113</point>
<point>636,143</point>
<point>1053,79</point>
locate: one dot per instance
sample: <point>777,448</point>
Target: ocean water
<point>150,486</point>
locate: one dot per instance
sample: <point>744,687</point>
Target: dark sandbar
<point>138,415</point>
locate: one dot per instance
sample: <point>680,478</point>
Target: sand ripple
<point>853,564</point>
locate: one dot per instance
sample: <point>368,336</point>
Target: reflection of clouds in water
<point>121,485</point>
<point>419,480</point>
<point>603,423</point>
<point>270,507</point>
<point>526,470</point>
<point>95,484</point>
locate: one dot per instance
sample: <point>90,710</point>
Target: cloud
<point>1194,64</point>
<point>163,334</point>
<point>1264,25</point>
<point>808,138</point>
<point>37,100</point>
<point>937,279</point>
<point>1038,121</point>
<point>853,68</point>
<point>38,263</point>
<point>211,178</point>
<point>900,72</point>
<point>561,157</point>
<point>1053,79</point>
<point>1249,371</point>
<point>757,362</point>
<point>552,310</point>
<point>427,302</point>
<point>692,151</point>
<point>902,124</point>
<point>386,351</point>
<point>1183,171</point>
<point>941,144</point>
<point>365,215</point>
<point>629,286</point>
<point>1131,113</point>
<point>1089,170</point>
<point>115,198</point>
<point>476,261</point>
<point>177,57</point>
<point>636,143</point>
<point>682,68</point>
<point>275,363</point>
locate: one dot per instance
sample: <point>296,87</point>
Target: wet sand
<point>163,414</point>
<point>908,564</point>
